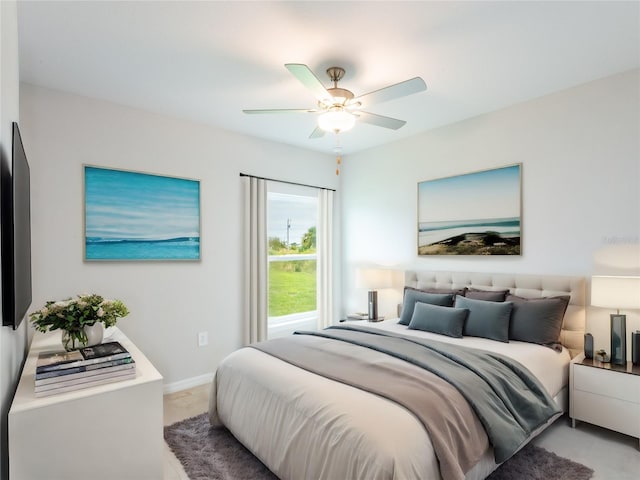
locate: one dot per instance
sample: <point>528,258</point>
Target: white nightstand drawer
<point>607,383</point>
<point>618,415</point>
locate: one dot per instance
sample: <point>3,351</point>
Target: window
<point>292,219</point>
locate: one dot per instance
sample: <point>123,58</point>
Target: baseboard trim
<point>187,383</point>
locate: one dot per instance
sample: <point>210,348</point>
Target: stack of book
<point>61,371</point>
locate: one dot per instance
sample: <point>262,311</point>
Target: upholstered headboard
<point>526,286</point>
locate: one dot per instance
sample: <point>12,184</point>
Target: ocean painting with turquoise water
<point>471,214</point>
<point>139,216</point>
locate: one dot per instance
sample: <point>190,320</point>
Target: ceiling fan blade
<point>402,89</point>
<point>282,110</point>
<point>380,121</point>
<point>317,133</point>
<point>309,80</point>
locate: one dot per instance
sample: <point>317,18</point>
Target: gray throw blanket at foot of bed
<point>503,397</point>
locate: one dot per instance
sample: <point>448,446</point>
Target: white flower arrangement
<point>73,314</point>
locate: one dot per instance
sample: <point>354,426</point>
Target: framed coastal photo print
<point>140,216</point>
<point>476,213</point>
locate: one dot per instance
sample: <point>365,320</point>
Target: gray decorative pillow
<point>457,291</point>
<point>537,320</point>
<point>411,296</point>
<point>436,319</point>
<point>486,319</point>
<point>488,295</point>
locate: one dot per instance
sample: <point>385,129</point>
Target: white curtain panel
<point>325,258</point>
<point>256,264</point>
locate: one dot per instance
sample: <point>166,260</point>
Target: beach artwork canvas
<point>472,214</point>
<point>140,216</point>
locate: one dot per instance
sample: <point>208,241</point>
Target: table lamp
<point>616,292</point>
<point>373,278</point>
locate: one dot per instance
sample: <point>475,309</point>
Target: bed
<point>305,425</point>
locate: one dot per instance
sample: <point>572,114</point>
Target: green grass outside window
<point>292,287</point>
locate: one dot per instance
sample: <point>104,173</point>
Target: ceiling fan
<point>339,108</point>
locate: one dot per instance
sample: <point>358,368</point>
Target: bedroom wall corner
<point>579,152</point>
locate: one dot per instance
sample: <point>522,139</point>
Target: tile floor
<point>178,406</point>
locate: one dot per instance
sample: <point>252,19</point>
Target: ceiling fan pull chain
<point>338,151</point>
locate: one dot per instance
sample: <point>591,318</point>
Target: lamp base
<point>373,305</point>
<point>635,347</point>
<point>618,339</point>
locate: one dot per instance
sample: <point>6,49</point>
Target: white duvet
<point>304,426</point>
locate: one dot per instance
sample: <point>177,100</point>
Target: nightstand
<point>605,394</point>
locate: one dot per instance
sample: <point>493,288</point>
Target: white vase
<point>94,333</point>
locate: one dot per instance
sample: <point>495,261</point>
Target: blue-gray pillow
<point>537,320</point>
<point>486,319</point>
<point>436,319</point>
<point>411,296</point>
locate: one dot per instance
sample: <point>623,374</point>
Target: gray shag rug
<point>208,453</point>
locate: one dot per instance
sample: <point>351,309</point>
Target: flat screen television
<point>16,234</point>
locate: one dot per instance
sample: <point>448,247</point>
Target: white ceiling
<point>206,61</point>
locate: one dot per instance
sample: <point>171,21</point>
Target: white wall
<point>170,302</point>
<point>580,158</point>
<point>13,343</point>
<point>578,148</point>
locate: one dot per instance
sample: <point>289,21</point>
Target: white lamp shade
<point>337,120</point>
<point>615,292</point>
<point>373,278</point>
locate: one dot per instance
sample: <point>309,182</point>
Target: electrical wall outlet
<point>203,339</point>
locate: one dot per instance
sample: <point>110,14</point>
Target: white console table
<point>103,432</point>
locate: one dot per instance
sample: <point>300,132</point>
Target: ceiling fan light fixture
<point>336,120</point>
<point>338,107</point>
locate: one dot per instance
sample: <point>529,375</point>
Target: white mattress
<point>304,426</point>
